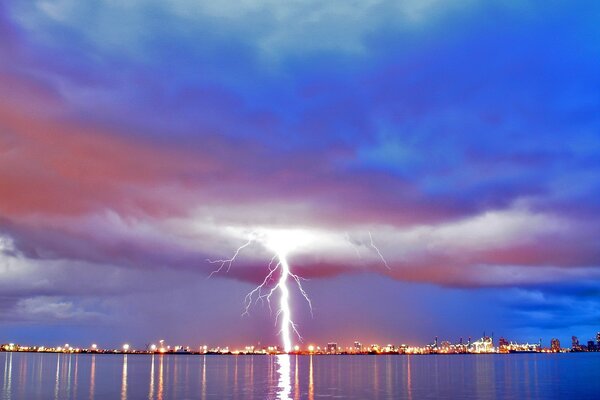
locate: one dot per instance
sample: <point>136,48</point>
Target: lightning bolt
<point>372,244</point>
<point>284,305</point>
<point>278,278</point>
<point>263,293</point>
<point>227,262</point>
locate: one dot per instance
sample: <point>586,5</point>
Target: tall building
<point>555,345</point>
<point>357,347</point>
<point>575,344</point>
<point>332,348</point>
<point>598,339</point>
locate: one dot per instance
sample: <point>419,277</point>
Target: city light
<point>483,345</point>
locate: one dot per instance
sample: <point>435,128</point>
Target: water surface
<point>128,377</point>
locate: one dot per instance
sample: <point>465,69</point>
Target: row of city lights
<point>483,345</point>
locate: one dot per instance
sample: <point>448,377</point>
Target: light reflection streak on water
<point>5,373</point>
<point>408,379</point>
<point>388,376</point>
<point>7,390</point>
<point>296,382</point>
<point>284,371</point>
<point>204,378</point>
<point>93,377</point>
<point>174,375</point>
<point>159,395</point>
<point>187,378</point>
<point>69,377</point>
<point>40,369</point>
<point>270,374</point>
<point>252,375</point>
<point>151,390</point>
<point>57,377</point>
<point>75,377</point>
<point>235,377</point>
<point>22,374</point>
<point>311,383</point>
<point>375,374</point>
<point>124,380</point>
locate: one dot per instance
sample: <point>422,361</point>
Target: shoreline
<point>291,354</point>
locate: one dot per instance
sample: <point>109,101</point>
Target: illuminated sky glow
<point>424,158</point>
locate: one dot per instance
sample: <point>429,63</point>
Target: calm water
<point>84,376</point>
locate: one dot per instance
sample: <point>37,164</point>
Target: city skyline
<point>430,169</point>
<point>483,345</point>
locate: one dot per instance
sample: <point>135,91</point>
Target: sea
<point>157,377</point>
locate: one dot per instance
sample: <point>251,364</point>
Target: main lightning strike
<point>284,305</point>
<point>280,243</point>
<point>262,291</point>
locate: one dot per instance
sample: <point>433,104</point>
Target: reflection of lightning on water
<point>263,292</point>
<point>285,379</point>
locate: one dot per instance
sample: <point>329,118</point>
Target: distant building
<point>332,348</point>
<point>575,344</point>
<point>591,346</point>
<point>503,345</point>
<point>357,347</point>
<point>555,345</point>
<point>598,339</point>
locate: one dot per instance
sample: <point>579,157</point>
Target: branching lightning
<point>279,276</point>
<point>263,292</point>
<point>227,262</point>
